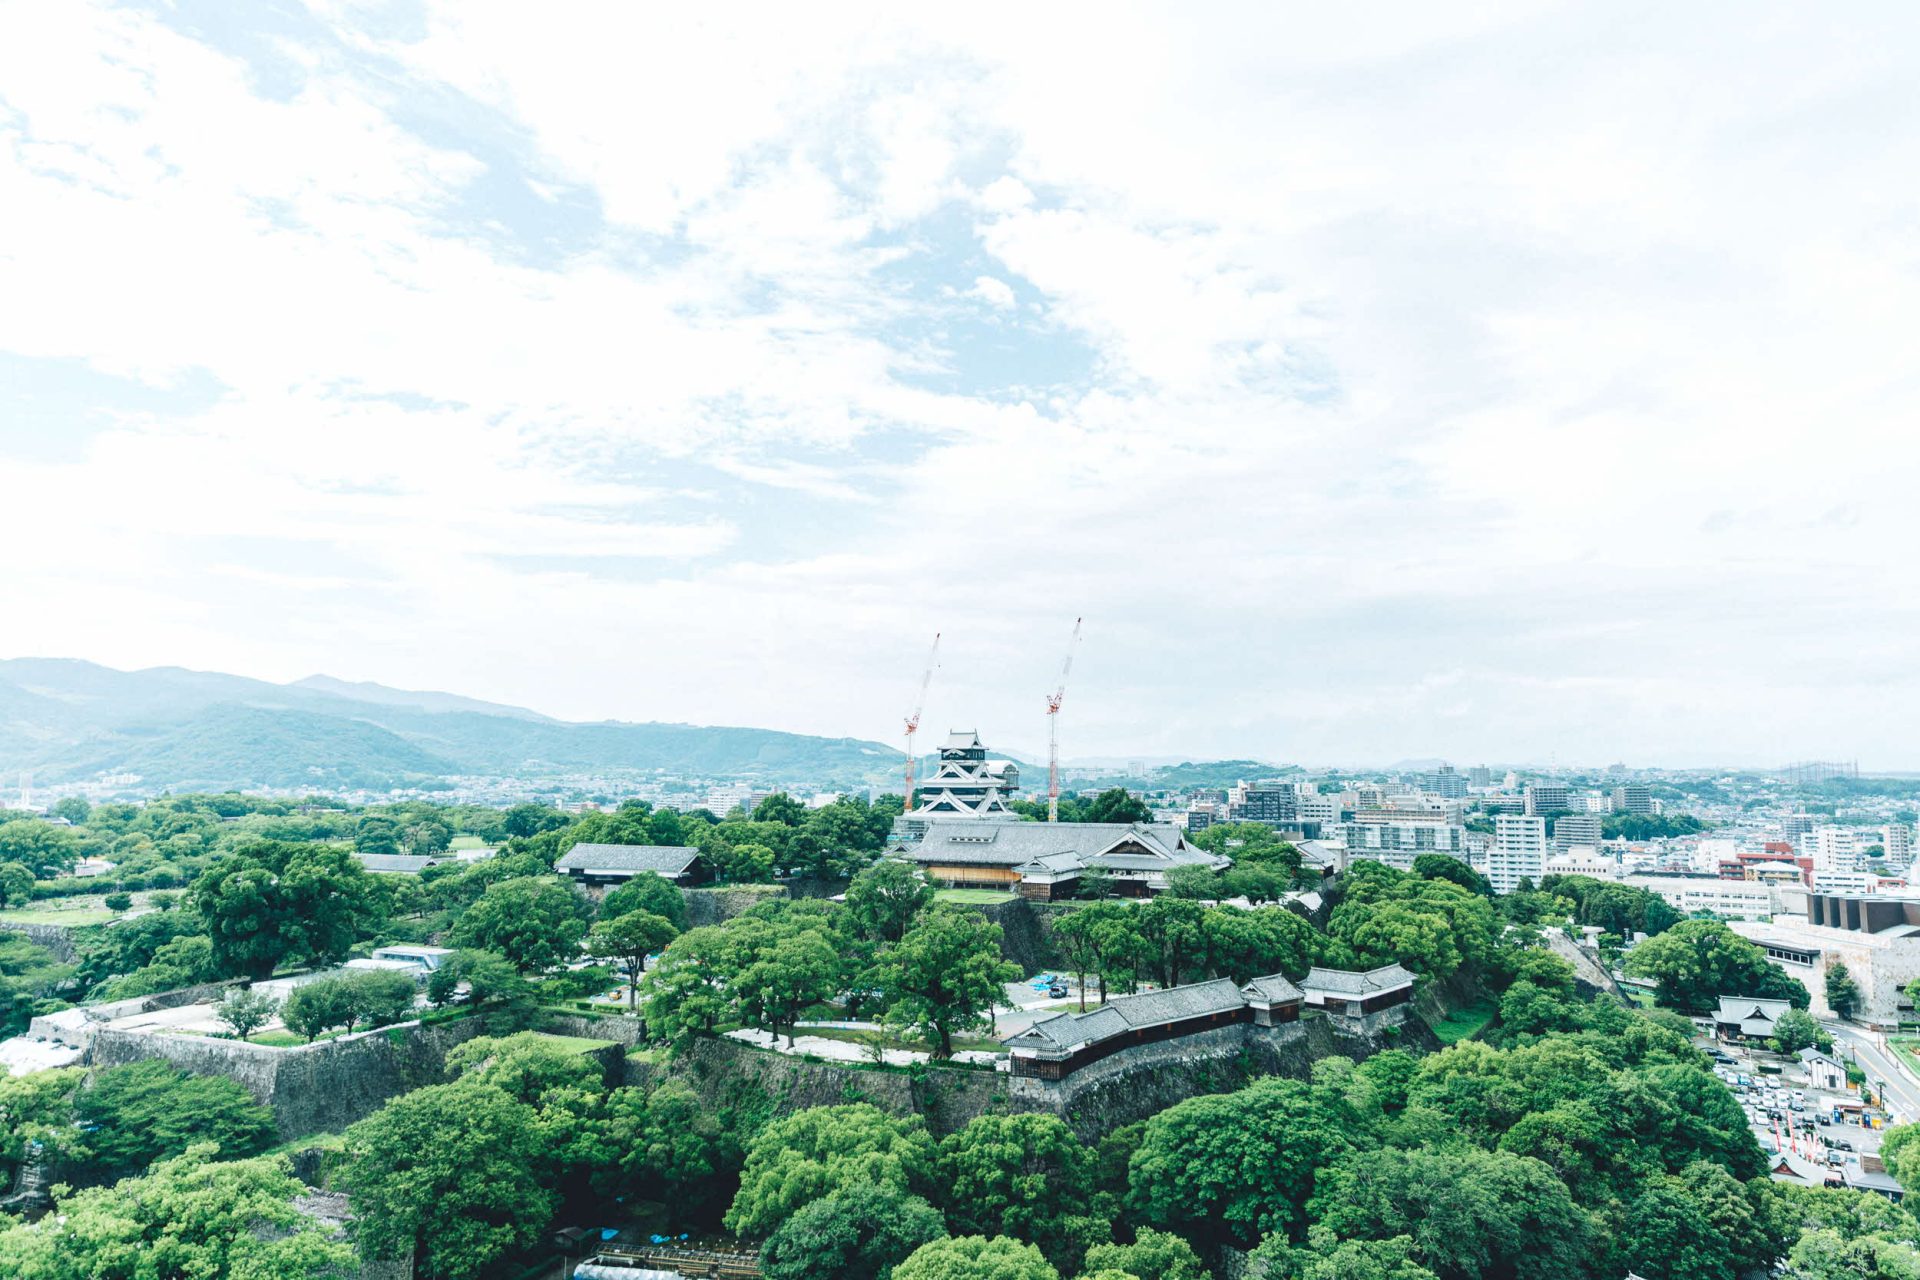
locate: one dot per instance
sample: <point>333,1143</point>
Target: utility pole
<point>913,721</point>
<point>1053,728</point>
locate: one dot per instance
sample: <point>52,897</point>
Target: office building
<point>1480,777</point>
<point>1548,797</point>
<point>1276,804</point>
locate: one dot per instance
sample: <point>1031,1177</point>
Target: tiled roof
<point>1013,843</point>
<point>1127,1013</point>
<point>1347,982</point>
<point>399,863</point>
<point>1273,989</point>
<point>1742,1008</point>
<point>668,859</point>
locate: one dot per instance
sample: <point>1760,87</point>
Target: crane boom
<point>913,721</point>
<point>1053,727</point>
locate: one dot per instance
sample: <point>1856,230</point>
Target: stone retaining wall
<point>313,1088</point>
<point>57,938</point>
<point>732,1076</point>
<point>721,903</point>
<point>626,1032</point>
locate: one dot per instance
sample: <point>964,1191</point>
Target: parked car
<point>1057,991</point>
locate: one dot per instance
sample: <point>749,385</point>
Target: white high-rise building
<point>1519,851</point>
<point>1898,842</point>
<point>1834,848</point>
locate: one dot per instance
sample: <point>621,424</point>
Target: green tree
<point>1796,1030</point>
<point>975,1258</point>
<point>448,1178</point>
<point>884,899</point>
<point>1154,1255</point>
<point>16,883</point>
<point>1698,961</point>
<point>187,1217</point>
<point>1442,866</point>
<point>945,974</point>
<point>1472,1215</point>
<point>314,1008</point>
<point>817,1152</point>
<point>74,809</point>
<point>682,992</point>
<point>1325,1257</point>
<point>1699,1225</point>
<point>245,1011</point>
<point>670,1147</point>
<point>1021,1175</point>
<point>527,820</point>
<point>861,1232</point>
<point>275,901</point>
<point>650,892</point>
<point>781,808</point>
<point>1843,994</point>
<point>1116,805</point>
<point>117,902</point>
<point>1171,937</point>
<point>377,834</point>
<point>536,922</point>
<point>1202,884</point>
<point>42,847</point>
<point>135,1114</point>
<point>1228,1168</point>
<point>781,970</point>
<point>627,941</point>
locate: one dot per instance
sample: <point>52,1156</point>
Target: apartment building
<point>1519,851</point>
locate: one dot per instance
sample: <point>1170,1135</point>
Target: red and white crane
<point>913,721</point>
<point>1053,728</point>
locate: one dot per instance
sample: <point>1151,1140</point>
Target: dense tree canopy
<point>536,922</point>
<point>1696,962</point>
<point>818,1152</point>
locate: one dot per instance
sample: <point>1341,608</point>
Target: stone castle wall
<point>721,903</point>
<point>57,938</point>
<point>313,1088</point>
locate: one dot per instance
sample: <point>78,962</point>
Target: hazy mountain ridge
<point>66,720</point>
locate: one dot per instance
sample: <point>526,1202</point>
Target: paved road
<point>1903,1094</point>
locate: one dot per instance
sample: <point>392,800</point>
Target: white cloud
<point>1392,385</point>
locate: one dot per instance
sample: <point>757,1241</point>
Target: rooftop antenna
<point>913,721</point>
<point>1053,728</point>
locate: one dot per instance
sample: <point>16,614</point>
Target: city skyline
<point>1377,389</point>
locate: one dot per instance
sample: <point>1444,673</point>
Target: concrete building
<point>1897,840</point>
<point>1582,860</point>
<point>1276,804</point>
<point>1479,777</point>
<point>1446,783</point>
<point>1632,797</point>
<point>1397,836</point>
<point>1574,829</point>
<point>1519,851</point>
<point>1835,848</point>
<point>1877,938</point>
<point>1726,899</point>
<point>1547,797</point>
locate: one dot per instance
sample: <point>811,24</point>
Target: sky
<point>1508,382</point>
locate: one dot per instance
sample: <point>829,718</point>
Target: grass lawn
<point>973,895</point>
<point>276,1039</point>
<point>58,915</point>
<point>1909,1050</point>
<point>467,842</point>
<point>1465,1023</point>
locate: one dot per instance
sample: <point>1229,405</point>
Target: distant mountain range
<point>66,720</point>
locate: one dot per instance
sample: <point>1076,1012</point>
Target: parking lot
<point>1823,1128</point>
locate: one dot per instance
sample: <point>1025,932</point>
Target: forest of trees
<point>1574,1138</point>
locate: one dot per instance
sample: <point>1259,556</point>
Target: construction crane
<point>913,721</point>
<point>1053,728</point>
